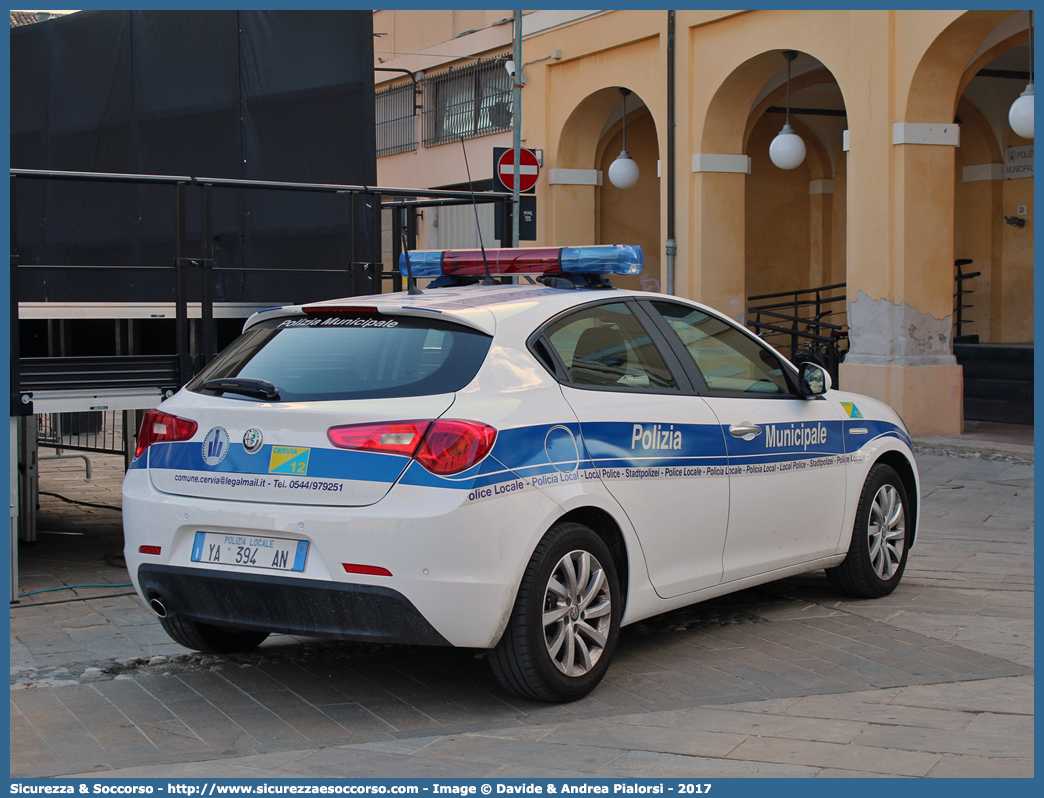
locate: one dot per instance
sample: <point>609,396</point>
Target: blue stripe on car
<point>322,464</point>
<point>521,452</point>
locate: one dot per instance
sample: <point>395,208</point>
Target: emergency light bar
<point>609,259</point>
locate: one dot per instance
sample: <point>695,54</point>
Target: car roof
<point>482,307</point>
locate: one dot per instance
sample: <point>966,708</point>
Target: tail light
<point>454,446</point>
<point>443,447</point>
<point>158,426</point>
<point>399,437</point>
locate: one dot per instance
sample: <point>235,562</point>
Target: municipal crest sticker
<point>215,446</point>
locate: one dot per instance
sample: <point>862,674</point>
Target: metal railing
<point>796,320</point>
<point>396,114</point>
<point>468,101</point>
<point>959,307</point>
<point>93,431</point>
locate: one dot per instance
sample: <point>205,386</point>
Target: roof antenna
<point>411,282</point>
<point>488,280</point>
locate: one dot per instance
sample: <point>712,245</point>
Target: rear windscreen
<point>322,358</point>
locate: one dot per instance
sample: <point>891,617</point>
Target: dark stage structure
<point>284,96</point>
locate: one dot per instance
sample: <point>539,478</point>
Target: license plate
<point>250,551</point>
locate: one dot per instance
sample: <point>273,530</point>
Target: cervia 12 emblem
<point>289,460</point>
<point>215,446</point>
<point>253,439</point>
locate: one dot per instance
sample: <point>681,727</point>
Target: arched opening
<point>793,240</point>
<point>991,190</point>
<point>772,230</point>
<point>632,215</point>
<point>588,207</point>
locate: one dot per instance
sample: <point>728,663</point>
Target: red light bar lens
<point>369,570</point>
<point>469,263</point>
<point>337,310</point>
<point>149,549</point>
<point>158,426</point>
<point>399,437</point>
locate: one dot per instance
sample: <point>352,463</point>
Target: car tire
<point>880,538</point>
<point>210,639</point>
<point>565,622</point>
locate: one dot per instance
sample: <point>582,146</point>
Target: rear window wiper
<point>247,386</point>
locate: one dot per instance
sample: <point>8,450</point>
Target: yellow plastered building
<point>910,160</point>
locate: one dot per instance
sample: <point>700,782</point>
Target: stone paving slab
<point>1014,740</point>
<point>849,707</point>
<point>831,730</point>
<point>650,764</point>
<point>898,762</point>
<point>954,767</point>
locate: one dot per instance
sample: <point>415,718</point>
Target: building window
<point>396,116</point>
<point>465,102</point>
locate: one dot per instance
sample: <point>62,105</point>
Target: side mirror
<point>814,380</point>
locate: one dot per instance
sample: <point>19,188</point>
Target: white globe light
<point>787,150</point>
<point>1020,117</point>
<point>623,172</point>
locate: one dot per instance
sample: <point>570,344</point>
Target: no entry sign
<point>528,172</point>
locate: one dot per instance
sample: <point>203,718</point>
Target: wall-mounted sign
<point>1018,162</point>
<point>504,169</point>
<point>527,228</point>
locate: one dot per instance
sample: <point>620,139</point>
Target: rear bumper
<point>455,563</point>
<point>309,607</point>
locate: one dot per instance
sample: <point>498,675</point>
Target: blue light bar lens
<point>425,263</point>
<point>610,259</point>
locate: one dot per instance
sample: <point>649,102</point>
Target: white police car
<point>521,468</point>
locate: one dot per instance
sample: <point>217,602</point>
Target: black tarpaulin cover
<point>259,95</point>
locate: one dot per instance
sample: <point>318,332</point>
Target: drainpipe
<point>672,245</point>
<point>517,128</point>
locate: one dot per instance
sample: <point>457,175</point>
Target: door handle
<point>745,428</point>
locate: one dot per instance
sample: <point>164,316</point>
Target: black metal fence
<point>468,101</point>
<point>796,321</point>
<point>396,114</point>
<point>92,431</point>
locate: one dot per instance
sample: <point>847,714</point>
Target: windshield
<point>367,356</point>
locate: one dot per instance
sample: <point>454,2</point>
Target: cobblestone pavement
<point>783,680</point>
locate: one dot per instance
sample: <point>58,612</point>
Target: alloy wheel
<point>886,530</point>
<point>577,613</point>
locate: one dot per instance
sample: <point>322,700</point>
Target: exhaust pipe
<point>158,607</point>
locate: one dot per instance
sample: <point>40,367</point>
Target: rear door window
<point>606,346</point>
<point>322,358</point>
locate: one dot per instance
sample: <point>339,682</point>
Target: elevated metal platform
<point>138,310</point>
